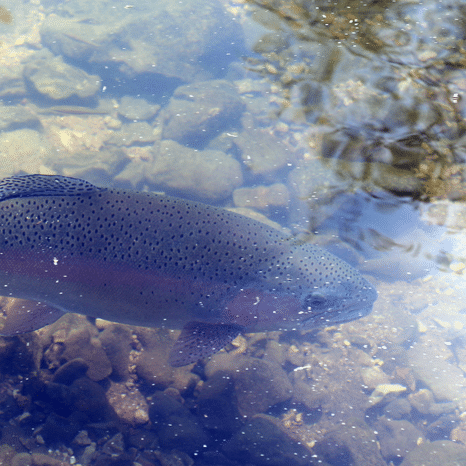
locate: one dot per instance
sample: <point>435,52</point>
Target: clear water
<point>342,122</point>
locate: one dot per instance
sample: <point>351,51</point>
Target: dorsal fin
<point>44,185</point>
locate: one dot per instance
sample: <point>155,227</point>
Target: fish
<point>153,260</point>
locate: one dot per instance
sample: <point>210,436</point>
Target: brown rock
<point>74,337</point>
<point>116,341</point>
<point>262,197</point>
<point>129,404</point>
<point>152,365</point>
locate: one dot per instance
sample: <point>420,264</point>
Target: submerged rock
<point>397,438</point>
<point>23,150</point>
<point>430,363</point>
<point>55,79</point>
<point>262,152</point>
<point>175,425</point>
<point>209,174</point>
<point>129,404</point>
<point>117,342</point>
<point>216,404</point>
<point>70,371</point>
<point>260,384</point>
<point>152,365</point>
<point>133,108</point>
<point>263,443</point>
<point>440,452</point>
<point>262,197</point>
<point>350,443</point>
<point>198,112</point>
<point>138,42</point>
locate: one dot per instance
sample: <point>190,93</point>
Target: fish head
<point>336,304</point>
<point>331,291</point>
<point>307,288</point>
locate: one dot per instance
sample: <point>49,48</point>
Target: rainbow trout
<point>158,261</point>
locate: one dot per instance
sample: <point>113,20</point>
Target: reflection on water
<point>343,124</point>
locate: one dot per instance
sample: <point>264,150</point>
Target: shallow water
<point>341,122</point>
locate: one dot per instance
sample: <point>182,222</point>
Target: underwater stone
<point>374,376</point>
<point>82,439</point>
<point>90,398</point>
<point>262,152</point>
<point>133,133</point>
<point>129,404</point>
<point>209,174</point>
<point>152,365</point>
<point>74,337</point>
<point>424,401</point>
<point>262,443</point>
<point>398,408</point>
<point>88,454</point>
<point>216,404</point>
<point>54,78</point>
<point>430,363</point>
<point>260,384</point>
<point>133,108</point>
<point>116,341</point>
<point>176,427</point>
<point>276,351</point>
<point>114,446</point>
<point>356,443</point>
<point>382,390</point>
<point>21,459</point>
<point>174,458</point>
<point>262,197</point>
<point>81,344</point>
<point>61,429</point>
<point>153,46</point>
<point>19,355</point>
<point>199,112</point>
<point>7,452</point>
<point>439,452</point>
<point>39,459</point>
<point>70,371</point>
<point>397,438</point>
<point>12,115</point>
<point>23,150</point>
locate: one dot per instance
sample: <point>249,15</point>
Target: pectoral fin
<point>22,316</point>
<point>199,340</point>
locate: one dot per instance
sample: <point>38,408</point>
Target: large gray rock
<point>397,438</point>
<point>54,78</point>
<point>260,384</point>
<point>263,443</point>
<point>440,452</point>
<point>176,427</point>
<point>208,174</point>
<point>146,38</point>
<point>350,443</point>
<point>198,112</point>
<point>431,364</point>
<point>23,150</point>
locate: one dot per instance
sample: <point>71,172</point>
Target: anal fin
<point>23,316</point>
<point>199,340</point>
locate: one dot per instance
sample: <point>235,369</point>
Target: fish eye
<point>314,301</point>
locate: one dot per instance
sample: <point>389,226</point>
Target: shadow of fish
<point>153,260</point>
